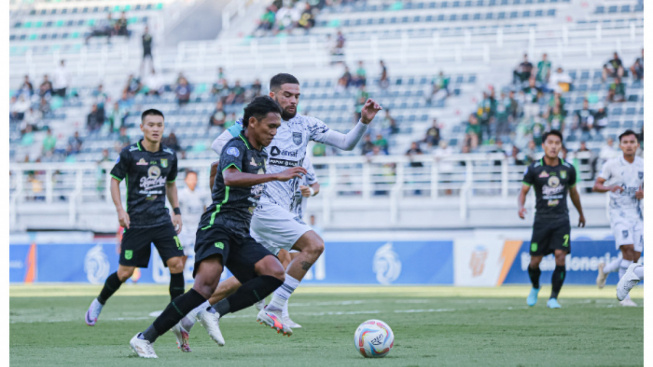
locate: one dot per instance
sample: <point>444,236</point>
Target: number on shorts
<point>566,243</point>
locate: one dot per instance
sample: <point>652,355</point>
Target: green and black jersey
<point>236,204</point>
<point>146,174</point>
<point>551,184</point>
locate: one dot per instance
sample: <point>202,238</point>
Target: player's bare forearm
<point>575,199</point>
<point>235,178</point>
<point>114,187</point>
<point>521,199</point>
<point>214,172</point>
<point>171,193</point>
<point>316,188</point>
<point>599,187</point>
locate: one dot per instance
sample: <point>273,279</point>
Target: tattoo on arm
<point>306,265</point>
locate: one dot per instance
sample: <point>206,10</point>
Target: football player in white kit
<point>273,224</point>
<point>623,177</point>
<point>192,203</point>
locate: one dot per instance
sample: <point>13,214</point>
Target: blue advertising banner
<point>582,263</point>
<point>396,262</point>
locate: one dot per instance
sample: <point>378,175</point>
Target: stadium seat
<point>539,13</point>
<point>628,124</point>
<point>616,111</point>
<point>600,10</point>
<point>631,110</point>
<point>625,9</point>
<point>612,9</point>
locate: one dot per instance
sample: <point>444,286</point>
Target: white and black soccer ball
<point>374,339</point>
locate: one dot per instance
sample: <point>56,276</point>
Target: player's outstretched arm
<point>575,198</point>
<point>171,193</point>
<point>123,217</point>
<point>348,141</point>
<point>233,177</point>
<point>521,200</point>
<point>599,186</point>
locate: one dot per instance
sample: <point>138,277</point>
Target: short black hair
<point>151,111</point>
<point>259,107</point>
<point>626,133</point>
<point>280,79</point>
<point>552,132</point>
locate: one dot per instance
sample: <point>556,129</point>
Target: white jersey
<point>630,176</point>
<point>298,205</point>
<point>192,204</point>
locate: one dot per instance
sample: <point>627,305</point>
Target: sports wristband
<point>177,211</point>
<point>312,191</point>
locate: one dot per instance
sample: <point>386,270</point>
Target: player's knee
<point>315,248</point>
<point>124,274</point>
<point>176,265</point>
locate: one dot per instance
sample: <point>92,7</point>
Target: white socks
<point>281,295</point>
<point>612,266</point>
<point>623,266</point>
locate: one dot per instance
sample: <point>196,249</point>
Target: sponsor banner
<point>483,261</point>
<point>582,263</point>
<point>382,262</point>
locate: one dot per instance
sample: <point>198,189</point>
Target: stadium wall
<point>480,260</point>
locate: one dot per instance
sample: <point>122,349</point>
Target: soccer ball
<point>374,339</point>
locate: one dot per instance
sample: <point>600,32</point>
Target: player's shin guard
<point>534,274</point>
<point>249,293</point>
<point>176,285</point>
<point>175,311</point>
<point>111,285</point>
<point>557,279</point>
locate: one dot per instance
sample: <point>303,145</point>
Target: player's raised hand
<point>290,173</point>
<point>639,194</point>
<point>306,191</point>
<point>176,222</point>
<point>123,218</point>
<point>581,221</point>
<point>369,110</point>
<point>522,213</point>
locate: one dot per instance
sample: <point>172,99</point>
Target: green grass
<point>433,326</point>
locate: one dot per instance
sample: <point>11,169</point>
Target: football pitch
<point>433,326</point>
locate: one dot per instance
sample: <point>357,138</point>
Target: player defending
<point>223,237</point>
<point>626,177</point>
<point>151,170</point>
<point>273,224</point>
<point>552,178</point>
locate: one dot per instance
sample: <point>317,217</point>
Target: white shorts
<point>187,239</point>
<point>276,228</point>
<point>628,230</point>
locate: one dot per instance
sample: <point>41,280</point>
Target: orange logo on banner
<point>30,274</point>
<point>508,255</point>
<point>477,261</point>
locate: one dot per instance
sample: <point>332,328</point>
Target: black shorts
<point>550,235</point>
<point>135,247</point>
<point>239,251</point>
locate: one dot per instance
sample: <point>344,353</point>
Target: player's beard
<point>285,115</point>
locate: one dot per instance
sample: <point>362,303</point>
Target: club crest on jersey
<point>554,181</point>
<point>297,138</point>
<point>142,162</point>
<point>164,162</point>
<point>640,174</point>
<point>543,174</point>
<point>625,234</point>
<point>563,174</point>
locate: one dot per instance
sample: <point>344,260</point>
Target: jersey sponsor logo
<point>233,151</point>
<point>275,151</point>
<point>283,162</point>
<point>543,175</point>
<point>297,138</point>
<point>142,162</point>
<point>153,180</point>
<point>164,162</point>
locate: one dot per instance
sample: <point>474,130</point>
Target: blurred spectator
<point>432,137</point>
<point>473,134</point>
<point>102,172</point>
<point>256,89</point>
<point>600,117</point>
<point>360,79</point>
<point>37,187</point>
<point>384,80</point>
<point>75,143</point>
<point>221,86</point>
<point>485,112</point>
<point>182,91</point>
<point>267,20</point>
<point>361,98</point>
<point>231,120</point>
<point>556,119</point>
<point>32,118</point>
<point>94,120</point>
<point>284,19</point>
<point>368,145</point>
<point>49,142</point>
<point>44,107</point>
<point>444,166</point>
<point>102,27</point>
<point>26,88</point>
<point>637,69</point>
<point>382,143</point>
<point>125,102</point>
<point>45,89</point>
<point>617,91</point>
<point>613,68</point>
<point>608,151</point>
<point>584,118</point>
<point>345,80</point>
<point>61,80</point>
<point>154,84</point>
<point>172,142</point>
<point>503,115</point>
<point>116,117</point>
<point>28,137</point>
<point>439,88</point>
<point>133,85</point>
<point>561,80</point>
<point>390,124</point>
<point>120,27</point>
<point>218,117</point>
<point>307,19</point>
<point>339,48</point>
<point>413,151</point>
<point>531,153</point>
<point>532,96</point>
<point>18,107</point>
<point>499,148</point>
<point>100,98</point>
<point>515,158</point>
<point>123,138</point>
<point>523,71</point>
<point>236,95</point>
<point>147,49</point>
<point>543,70</point>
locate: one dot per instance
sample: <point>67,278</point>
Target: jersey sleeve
<point>317,130</point>
<point>529,178</point>
<point>232,132</point>
<point>572,176</point>
<point>311,178</point>
<point>121,168</point>
<point>606,171</point>
<point>172,176</point>
<point>232,155</point>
